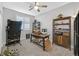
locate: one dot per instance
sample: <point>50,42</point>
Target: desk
<point>43,36</point>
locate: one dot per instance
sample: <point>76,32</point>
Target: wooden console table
<point>43,36</point>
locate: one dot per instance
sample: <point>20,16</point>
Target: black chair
<point>13,31</point>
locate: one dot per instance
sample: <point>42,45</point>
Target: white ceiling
<point>24,6</point>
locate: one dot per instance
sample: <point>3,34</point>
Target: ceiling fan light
<point>37,4</point>
<point>36,7</point>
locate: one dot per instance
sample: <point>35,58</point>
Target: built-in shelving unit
<point>62,31</point>
<point>36,26</point>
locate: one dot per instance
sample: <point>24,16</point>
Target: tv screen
<point>14,25</point>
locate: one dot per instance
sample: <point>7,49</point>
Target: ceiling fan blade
<point>31,8</point>
<point>35,3</point>
<point>38,10</point>
<point>43,6</point>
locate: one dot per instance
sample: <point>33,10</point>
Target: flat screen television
<point>14,25</point>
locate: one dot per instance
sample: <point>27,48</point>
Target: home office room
<point>39,28</point>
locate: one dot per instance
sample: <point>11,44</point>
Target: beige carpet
<point>30,49</point>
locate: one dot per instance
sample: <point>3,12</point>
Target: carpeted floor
<point>30,49</point>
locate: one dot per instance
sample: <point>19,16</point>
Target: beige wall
<point>11,14</point>
<point>46,19</point>
<point>1,11</point>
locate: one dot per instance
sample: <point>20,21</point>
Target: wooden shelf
<point>62,29</point>
<point>64,18</point>
<point>62,35</point>
<point>62,24</point>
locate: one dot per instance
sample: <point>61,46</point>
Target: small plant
<point>8,52</point>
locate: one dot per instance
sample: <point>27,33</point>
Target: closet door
<point>76,36</point>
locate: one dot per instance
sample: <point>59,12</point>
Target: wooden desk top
<point>40,35</point>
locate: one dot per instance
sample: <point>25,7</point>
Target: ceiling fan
<point>36,6</point>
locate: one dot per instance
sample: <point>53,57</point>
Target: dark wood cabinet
<point>62,32</point>
<point>65,42</point>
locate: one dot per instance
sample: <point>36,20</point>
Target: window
<point>25,22</point>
